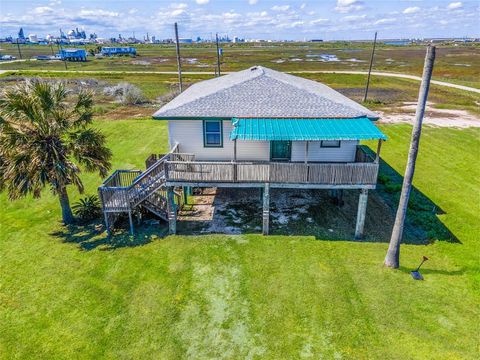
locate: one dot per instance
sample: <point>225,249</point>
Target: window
<point>212,133</point>
<point>330,143</point>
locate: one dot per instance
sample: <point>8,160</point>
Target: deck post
<point>171,211</point>
<point>235,150</point>
<point>306,151</point>
<point>266,209</point>
<point>130,220</point>
<point>362,208</point>
<point>107,225</point>
<point>379,146</point>
<point>340,197</point>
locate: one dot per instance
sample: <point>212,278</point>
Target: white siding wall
<point>345,153</point>
<point>189,135</point>
<point>253,150</point>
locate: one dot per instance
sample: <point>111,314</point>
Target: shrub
<point>419,203</point>
<point>392,188</point>
<point>87,209</point>
<point>383,179</point>
<point>126,93</point>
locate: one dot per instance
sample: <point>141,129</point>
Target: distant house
<point>113,51</point>
<point>73,54</point>
<point>256,128</point>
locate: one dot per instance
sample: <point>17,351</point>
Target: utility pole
<point>179,62</point>
<point>393,254</point>
<point>19,52</point>
<point>218,56</point>
<point>62,55</point>
<point>370,68</point>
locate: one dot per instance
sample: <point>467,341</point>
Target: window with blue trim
<point>212,133</point>
<point>330,143</point>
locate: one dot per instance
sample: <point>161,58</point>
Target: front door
<point>280,150</point>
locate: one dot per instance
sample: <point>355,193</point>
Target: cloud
<point>252,2</point>
<point>97,13</point>
<point>319,21</point>
<point>179,6</point>
<point>303,6</point>
<point>384,21</point>
<point>455,5</point>
<point>351,18</point>
<point>202,2</point>
<point>281,22</point>
<point>411,10</point>
<point>41,10</point>
<point>347,6</point>
<point>280,7</point>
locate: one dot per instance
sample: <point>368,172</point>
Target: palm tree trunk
<point>67,216</point>
<point>392,258</point>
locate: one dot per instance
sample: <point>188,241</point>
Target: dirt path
<point>375,73</point>
<point>436,117</point>
<point>397,75</point>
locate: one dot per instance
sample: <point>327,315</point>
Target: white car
<point>7,57</point>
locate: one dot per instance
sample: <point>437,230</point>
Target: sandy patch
<point>141,62</point>
<point>436,117</point>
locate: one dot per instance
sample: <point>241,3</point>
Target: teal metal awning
<point>304,129</point>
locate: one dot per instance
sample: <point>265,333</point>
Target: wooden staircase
<point>128,190</point>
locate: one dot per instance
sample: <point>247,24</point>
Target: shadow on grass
<point>313,213</point>
<point>427,271</point>
<point>92,236</point>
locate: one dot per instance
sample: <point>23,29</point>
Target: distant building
<point>185,41</point>
<point>73,54</point>
<point>315,40</point>
<point>32,38</point>
<point>112,51</point>
<point>236,39</point>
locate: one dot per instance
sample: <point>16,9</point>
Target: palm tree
<point>45,139</point>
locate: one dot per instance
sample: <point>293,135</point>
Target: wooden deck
<point>154,189</point>
<point>359,174</point>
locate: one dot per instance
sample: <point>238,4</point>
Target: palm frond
<point>43,134</point>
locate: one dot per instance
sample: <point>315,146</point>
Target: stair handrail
<point>149,170</point>
<point>155,165</point>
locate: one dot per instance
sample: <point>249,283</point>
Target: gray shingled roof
<point>261,92</point>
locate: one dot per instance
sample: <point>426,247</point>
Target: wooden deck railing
<point>361,172</point>
<point>288,173</point>
<point>114,190</point>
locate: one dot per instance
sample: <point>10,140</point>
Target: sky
<point>251,19</point>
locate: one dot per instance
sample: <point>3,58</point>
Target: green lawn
<point>244,296</point>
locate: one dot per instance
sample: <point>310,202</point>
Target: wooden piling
<point>266,209</point>
<point>172,211</point>
<point>362,209</point>
<point>130,220</point>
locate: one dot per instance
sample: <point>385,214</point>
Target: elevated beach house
<point>253,128</point>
